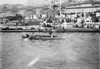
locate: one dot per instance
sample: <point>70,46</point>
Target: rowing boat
<point>42,37</point>
<point>46,37</point>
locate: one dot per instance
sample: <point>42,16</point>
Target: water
<point>76,51</point>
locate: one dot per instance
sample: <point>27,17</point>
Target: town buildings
<point>85,6</point>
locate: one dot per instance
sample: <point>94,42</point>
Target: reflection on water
<point>76,51</point>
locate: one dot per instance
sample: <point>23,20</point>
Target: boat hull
<point>45,38</point>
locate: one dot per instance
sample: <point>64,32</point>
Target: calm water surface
<point>76,51</point>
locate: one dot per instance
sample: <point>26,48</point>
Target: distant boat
<point>42,37</point>
<point>45,38</point>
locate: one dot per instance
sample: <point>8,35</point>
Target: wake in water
<point>31,63</point>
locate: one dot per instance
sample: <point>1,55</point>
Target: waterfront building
<point>87,6</point>
<point>85,10</point>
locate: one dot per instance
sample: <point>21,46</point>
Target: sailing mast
<point>54,14</point>
<point>53,11</point>
<point>60,10</point>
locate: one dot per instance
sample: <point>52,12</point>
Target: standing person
<point>89,19</point>
<point>64,24</point>
<point>40,27</point>
<point>79,21</point>
<point>52,33</point>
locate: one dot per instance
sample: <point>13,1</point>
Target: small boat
<point>40,37</point>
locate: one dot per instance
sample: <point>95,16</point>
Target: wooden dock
<point>58,30</point>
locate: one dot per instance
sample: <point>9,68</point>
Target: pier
<point>58,30</point>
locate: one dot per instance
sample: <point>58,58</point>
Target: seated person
<point>33,35</point>
<point>27,35</point>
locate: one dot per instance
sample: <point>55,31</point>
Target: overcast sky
<point>25,2</point>
<point>30,2</point>
<point>37,2</point>
<point>13,2</point>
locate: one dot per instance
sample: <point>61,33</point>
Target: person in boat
<point>52,33</point>
<point>27,35</point>
<point>32,36</point>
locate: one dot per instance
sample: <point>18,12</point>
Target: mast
<point>54,14</point>
<point>60,9</point>
<point>53,9</point>
<point>92,1</point>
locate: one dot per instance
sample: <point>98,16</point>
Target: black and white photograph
<point>49,34</point>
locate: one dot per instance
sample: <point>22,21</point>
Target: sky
<point>37,2</point>
<point>41,2</point>
<point>31,2</point>
<point>25,2</point>
<point>13,2</point>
